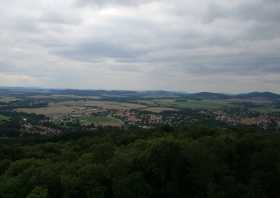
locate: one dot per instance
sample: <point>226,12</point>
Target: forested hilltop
<point>163,162</point>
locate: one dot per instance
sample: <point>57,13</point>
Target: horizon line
<point>136,90</point>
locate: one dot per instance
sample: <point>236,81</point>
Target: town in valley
<point>25,111</point>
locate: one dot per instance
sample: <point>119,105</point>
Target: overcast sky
<point>183,45</point>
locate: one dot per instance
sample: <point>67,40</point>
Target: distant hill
<point>124,94</point>
<point>260,96</point>
<point>209,96</point>
<point>246,96</point>
<point>119,93</point>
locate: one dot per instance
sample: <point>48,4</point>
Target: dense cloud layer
<point>191,45</point>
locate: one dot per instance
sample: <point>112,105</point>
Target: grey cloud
<point>240,65</point>
<point>58,18</point>
<point>105,3</point>
<point>7,67</point>
<point>96,51</point>
<point>162,44</point>
<point>261,11</point>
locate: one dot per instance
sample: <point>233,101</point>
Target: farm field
<point>100,121</point>
<point>202,104</point>
<point>267,109</point>
<point>156,102</point>
<point>7,99</point>
<point>189,104</point>
<point>64,97</point>
<point>159,109</point>
<point>62,109</point>
<point>50,111</point>
<point>101,104</point>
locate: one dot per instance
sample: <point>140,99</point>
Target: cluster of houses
<point>128,116</point>
<point>134,117</point>
<point>262,121</point>
<point>145,119</point>
<point>28,128</point>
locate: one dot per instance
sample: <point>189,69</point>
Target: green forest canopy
<point>142,163</point>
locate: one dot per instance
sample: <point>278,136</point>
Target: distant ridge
<point>209,95</point>
<point>126,94</point>
<point>260,95</point>
<point>250,96</point>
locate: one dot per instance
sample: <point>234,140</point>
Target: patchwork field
<point>101,121</point>
<point>58,109</point>
<point>202,104</point>
<point>267,109</point>
<point>156,102</point>
<point>188,104</point>
<point>7,99</point>
<point>63,97</point>
<point>159,109</point>
<point>102,104</point>
<point>64,108</point>
<point>50,111</point>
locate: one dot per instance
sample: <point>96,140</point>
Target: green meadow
<point>190,104</point>
<point>100,121</point>
<point>3,119</point>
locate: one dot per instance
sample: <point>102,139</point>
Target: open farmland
<point>267,109</point>
<point>202,104</point>
<point>100,121</point>
<point>156,102</point>
<point>102,104</point>
<point>7,99</point>
<point>80,107</point>
<point>63,97</point>
<point>50,111</point>
<point>159,109</point>
<point>188,104</point>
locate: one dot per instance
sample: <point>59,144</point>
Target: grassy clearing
<point>101,121</point>
<point>64,97</point>
<point>48,111</point>
<point>102,104</point>
<point>266,109</point>
<point>157,102</point>
<point>202,104</point>
<point>159,109</point>
<point>3,119</point>
<point>189,104</point>
<point>7,99</point>
<point>60,109</point>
